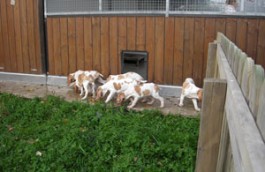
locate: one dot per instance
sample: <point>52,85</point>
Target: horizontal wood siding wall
<point>20,44</point>
<point>177,46</point>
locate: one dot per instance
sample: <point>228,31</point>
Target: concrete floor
<point>30,90</point>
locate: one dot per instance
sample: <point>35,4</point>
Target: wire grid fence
<point>77,7</point>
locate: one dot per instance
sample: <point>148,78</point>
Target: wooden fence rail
<point>241,142</point>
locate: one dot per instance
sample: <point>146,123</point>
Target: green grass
<point>81,137</point>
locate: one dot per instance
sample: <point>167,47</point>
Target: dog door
<point>134,61</point>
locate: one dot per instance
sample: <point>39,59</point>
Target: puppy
<point>190,90</point>
<point>140,91</point>
<point>131,75</point>
<point>87,81</point>
<point>113,87</point>
<point>71,79</point>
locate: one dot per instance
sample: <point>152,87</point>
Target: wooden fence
<point>20,37</point>
<point>177,45</point>
<point>232,131</point>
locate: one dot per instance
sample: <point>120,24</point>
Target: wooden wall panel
<point>20,37</point>
<point>169,45</point>
<point>88,41</point>
<point>252,38</point>
<point>260,59</point>
<point>150,45</point>
<point>131,33</point>
<point>198,54</point>
<point>57,46</point>
<point>188,47</point>
<point>159,49</point>
<point>64,46</point>
<point>178,51</point>
<point>105,62</point>
<point>113,45</point>
<point>140,34</point>
<point>177,46</point>
<point>71,44</point>
<point>4,19</point>
<point>80,57</point>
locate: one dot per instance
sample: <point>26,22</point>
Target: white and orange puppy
<point>113,87</point>
<point>190,90</point>
<point>141,91</point>
<point>87,81</point>
<point>131,75</point>
<point>72,78</point>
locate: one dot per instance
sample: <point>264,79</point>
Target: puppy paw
<point>181,104</point>
<point>198,109</point>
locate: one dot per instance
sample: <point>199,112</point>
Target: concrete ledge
<point>57,80</point>
<point>170,90</point>
<point>166,90</point>
<point>21,77</point>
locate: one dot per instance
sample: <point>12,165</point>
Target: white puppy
<point>72,78</point>
<point>131,75</point>
<point>190,90</point>
<point>114,86</point>
<point>141,91</point>
<point>86,81</point>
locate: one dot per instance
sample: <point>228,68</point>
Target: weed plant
<point>54,135</point>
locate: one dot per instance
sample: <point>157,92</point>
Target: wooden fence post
<point>211,61</point>
<point>211,124</point>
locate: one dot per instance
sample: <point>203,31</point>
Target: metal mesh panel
<point>71,6</point>
<point>167,7</point>
<point>133,5</point>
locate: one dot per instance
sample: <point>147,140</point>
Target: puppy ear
<point>99,93</point>
<point>200,94</point>
<point>69,79</point>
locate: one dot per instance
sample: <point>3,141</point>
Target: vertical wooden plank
<point>11,36</point>
<point>209,36</point>
<point>256,81</point>
<point>24,36</point>
<point>2,53</point>
<point>261,44</point>
<point>131,33</point>
<point>169,50</point>
<point>252,38</point>
<point>57,46</point>
<point>18,41</point>
<point>140,33</point>
<point>72,44</point>
<point>159,49</point>
<point>80,43</point>
<point>31,36</point>
<point>188,47</point>
<point>220,25</point>
<point>122,34</point>
<point>50,46</point>
<point>88,43</point>
<point>261,110</point>
<point>211,124</point>
<point>178,51</point>
<point>150,46</point>
<point>38,55</point>
<point>113,41</point>
<point>5,35</point>
<point>247,72</point>
<point>211,62</point>
<point>64,45</point>
<point>105,61</point>
<point>198,51</point>
<point>96,43</point>
<point>231,29</point>
<point>241,34</point>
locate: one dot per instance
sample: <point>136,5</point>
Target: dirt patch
<point>41,90</point>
